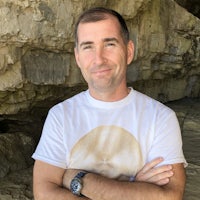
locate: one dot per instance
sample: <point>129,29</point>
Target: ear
<point>76,56</point>
<point>130,51</point>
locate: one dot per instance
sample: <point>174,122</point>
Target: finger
<point>161,172</point>
<point>161,169</point>
<point>161,176</point>
<point>160,179</point>
<point>152,164</point>
<point>155,174</point>
<point>162,182</point>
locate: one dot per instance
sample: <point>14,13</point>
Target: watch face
<point>76,186</point>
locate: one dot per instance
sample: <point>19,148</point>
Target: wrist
<point>68,176</point>
<point>77,183</point>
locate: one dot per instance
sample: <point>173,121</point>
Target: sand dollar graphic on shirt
<point>108,150</point>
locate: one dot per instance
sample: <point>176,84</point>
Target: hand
<point>157,175</point>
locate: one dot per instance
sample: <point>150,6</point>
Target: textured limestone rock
<point>17,186</point>
<point>188,112</point>
<point>36,48</point>
<point>192,6</point>
<point>15,151</point>
<point>38,69</point>
<point>37,66</point>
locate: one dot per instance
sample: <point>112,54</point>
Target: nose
<point>100,56</point>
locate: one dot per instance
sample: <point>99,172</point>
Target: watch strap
<point>81,174</point>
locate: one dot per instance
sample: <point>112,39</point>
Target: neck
<point>110,96</point>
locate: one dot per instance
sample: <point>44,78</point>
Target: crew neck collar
<point>109,105</point>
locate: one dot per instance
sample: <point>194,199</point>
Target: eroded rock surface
<point>188,112</point>
<point>36,49</point>
<point>38,70</point>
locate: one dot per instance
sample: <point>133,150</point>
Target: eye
<point>110,44</point>
<point>87,47</point>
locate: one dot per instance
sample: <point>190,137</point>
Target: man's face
<point>102,54</point>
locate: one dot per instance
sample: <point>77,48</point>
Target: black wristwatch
<point>76,184</point>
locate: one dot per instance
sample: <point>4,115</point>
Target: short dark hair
<point>98,14</point>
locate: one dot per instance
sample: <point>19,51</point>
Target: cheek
<point>85,61</point>
<point>121,61</point>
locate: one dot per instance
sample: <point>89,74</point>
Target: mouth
<point>101,72</point>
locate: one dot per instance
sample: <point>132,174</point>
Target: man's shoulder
<point>70,102</point>
<point>149,102</point>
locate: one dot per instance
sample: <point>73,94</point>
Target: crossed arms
<point>152,183</point>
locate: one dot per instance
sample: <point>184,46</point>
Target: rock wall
<point>38,69</point>
<point>36,49</point>
<point>192,6</point>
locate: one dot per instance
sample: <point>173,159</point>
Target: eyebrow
<point>104,40</point>
<point>86,43</point>
<point>111,40</point>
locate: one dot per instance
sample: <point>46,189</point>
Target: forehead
<point>108,27</point>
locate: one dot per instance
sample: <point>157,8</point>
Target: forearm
<point>48,183</point>
<point>52,191</point>
<point>97,188</point>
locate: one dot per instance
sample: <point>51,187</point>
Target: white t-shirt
<point>114,139</point>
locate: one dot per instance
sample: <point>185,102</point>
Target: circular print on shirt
<point>107,150</point>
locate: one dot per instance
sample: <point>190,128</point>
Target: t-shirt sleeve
<point>167,141</point>
<point>51,148</point>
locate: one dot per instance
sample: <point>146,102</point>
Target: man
<point>109,142</point>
